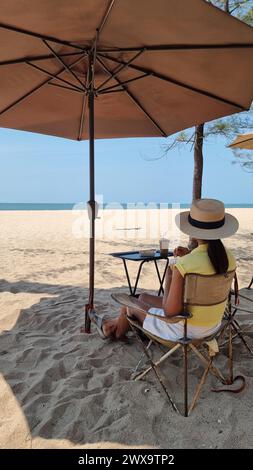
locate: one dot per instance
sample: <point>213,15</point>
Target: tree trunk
<point>198,162</point>
<point>198,156</point>
<point>198,170</point>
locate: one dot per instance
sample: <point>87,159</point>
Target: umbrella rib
<point>134,99</point>
<point>94,52</point>
<point>66,87</point>
<point>112,91</point>
<point>82,117</point>
<point>93,49</point>
<point>120,68</point>
<point>176,82</point>
<point>57,57</point>
<point>29,93</point>
<point>177,47</point>
<point>124,83</point>
<point>40,36</point>
<point>105,17</point>
<point>83,112</point>
<point>46,72</point>
<point>23,60</point>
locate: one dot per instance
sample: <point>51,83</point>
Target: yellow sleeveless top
<point>199,262</point>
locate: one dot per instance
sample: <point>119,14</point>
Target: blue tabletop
<point>135,256</point>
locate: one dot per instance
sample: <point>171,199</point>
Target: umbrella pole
<point>92,204</point>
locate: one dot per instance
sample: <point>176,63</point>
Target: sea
<point>10,206</point>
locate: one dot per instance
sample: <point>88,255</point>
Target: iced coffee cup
<point>164,247</point>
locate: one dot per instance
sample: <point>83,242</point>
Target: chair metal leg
<point>216,372</point>
<point>155,371</point>
<point>230,354</point>
<point>240,333</point>
<point>227,340</point>
<point>237,329</point>
<point>199,386</point>
<point>169,353</point>
<point>185,356</point>
<point>141,358</point>
<point>236,333</point>
<point>234,330</point>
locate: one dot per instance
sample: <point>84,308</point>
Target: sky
<point>41,169</point>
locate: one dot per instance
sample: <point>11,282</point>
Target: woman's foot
<point>105,327</point>
<point>109,327</point>
<point>111,330</point>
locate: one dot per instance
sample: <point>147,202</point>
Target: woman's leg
<point>151,300</point>
<point>118,327</point>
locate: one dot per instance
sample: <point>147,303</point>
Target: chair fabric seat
<point>170,343</point>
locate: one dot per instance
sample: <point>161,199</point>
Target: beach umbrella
<point>243,141</point>
<point>119,68</point>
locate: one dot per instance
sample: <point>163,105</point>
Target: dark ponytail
<point>218,256</point>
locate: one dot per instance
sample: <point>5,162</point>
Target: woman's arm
<point>168,278</point>
<point>173,303</point>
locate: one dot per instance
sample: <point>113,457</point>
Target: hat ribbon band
<point>206,225</point>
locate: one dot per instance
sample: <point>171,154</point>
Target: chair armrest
<point>128,301</point>
<point>132,302</point>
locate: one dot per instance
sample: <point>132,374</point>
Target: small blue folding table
<point>135,256</point>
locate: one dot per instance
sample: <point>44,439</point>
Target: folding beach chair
<point>199,290</point>
<point>232,327</point>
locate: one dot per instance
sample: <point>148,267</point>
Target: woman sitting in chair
<point>207,223</point>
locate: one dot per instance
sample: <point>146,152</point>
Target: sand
<point>60,388</point>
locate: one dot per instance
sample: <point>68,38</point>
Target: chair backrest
<point>207,290</point>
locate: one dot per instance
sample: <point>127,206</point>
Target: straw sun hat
<point>207,220</point>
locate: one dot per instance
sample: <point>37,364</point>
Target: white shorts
<point>174,331</point>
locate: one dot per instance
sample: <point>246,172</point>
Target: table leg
<point>134,289</point>
<point>251,282</point>
<point>161,290</point>
<point>159,277</point>
<point>138,276</point>
<point>128,278</point>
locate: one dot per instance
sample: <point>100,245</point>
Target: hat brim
<point>230,227</point>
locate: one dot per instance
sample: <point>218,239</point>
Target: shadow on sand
<point>69,385</point>
<point>77,387</point>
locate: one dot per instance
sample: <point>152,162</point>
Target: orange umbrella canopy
<point>158,66</point>
<point>243,141</point>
